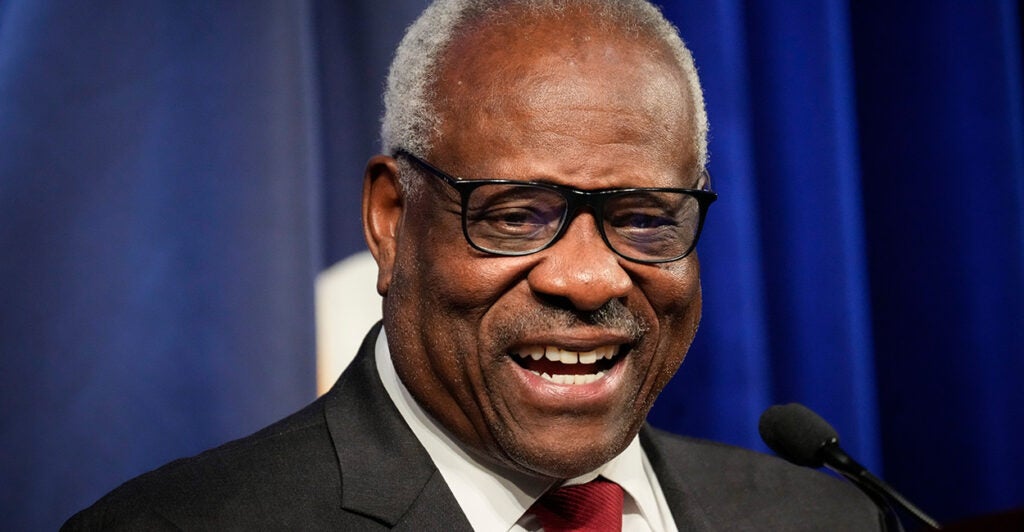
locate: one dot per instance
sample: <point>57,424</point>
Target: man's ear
<point>382,215</point>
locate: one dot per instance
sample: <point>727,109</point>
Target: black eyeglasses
<point>648,225</point>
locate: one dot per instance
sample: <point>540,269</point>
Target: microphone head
<point>796,433</point>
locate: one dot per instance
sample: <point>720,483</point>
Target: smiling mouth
<point>563,366</point>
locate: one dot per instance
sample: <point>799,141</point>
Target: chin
<point>560,467</point>
<point>566,457</point>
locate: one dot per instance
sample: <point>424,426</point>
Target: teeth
<point>557,354</point>
<point>535,352</point>
<point>572,379</point>
<point>563,356</point>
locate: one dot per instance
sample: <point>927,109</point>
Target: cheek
<point>674,293</point>
<point>454,277</point>
<point>445,292</point>
<point>675,298</point>
<point>462,291</point>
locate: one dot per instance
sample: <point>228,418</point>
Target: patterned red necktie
<point>592,507</point>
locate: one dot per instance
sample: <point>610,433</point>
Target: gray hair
<point>410,121</point>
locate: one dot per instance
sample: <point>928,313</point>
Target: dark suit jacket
<point>349,462</point>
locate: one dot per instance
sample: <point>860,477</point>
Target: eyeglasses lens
<point>651,226</point>
<point>514,219</point>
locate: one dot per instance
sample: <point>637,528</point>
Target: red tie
<point>592,507</point>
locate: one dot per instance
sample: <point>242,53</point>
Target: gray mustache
<point>613,316</point>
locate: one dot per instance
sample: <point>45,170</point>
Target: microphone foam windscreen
<point>796,433</point>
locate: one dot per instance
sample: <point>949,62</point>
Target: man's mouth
<point>563,366</point>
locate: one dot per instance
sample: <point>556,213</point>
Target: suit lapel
<point>682,501</point>
<point>385,473</point>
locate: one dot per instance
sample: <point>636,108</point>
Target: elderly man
<point>534,224</point>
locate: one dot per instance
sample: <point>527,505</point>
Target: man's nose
<point>581,268</point>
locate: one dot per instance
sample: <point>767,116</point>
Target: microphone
<point>799,435</point>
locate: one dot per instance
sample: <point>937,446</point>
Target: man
<point>534,307</point>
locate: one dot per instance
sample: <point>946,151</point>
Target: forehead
<point>567,85</point>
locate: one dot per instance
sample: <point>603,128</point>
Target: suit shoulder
<point>229,483</point>
<point>738,485</point>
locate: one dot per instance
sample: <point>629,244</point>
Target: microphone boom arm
<point>837,460</point>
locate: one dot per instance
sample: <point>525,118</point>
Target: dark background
<point>174,174</point>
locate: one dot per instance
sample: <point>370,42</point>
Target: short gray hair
<point>410,120</point>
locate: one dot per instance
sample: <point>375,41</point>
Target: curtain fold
<point>174,175</point>
<point>939,104</point>
<point>157,181</point>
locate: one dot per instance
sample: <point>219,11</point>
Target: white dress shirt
<point>495,498</point>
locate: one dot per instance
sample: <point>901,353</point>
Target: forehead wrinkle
<point>655,108</point>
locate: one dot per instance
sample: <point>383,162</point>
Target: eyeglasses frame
<point>575,200</point>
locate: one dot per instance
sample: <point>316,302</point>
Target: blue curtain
<point>174,174</point>
<point>942,161</point>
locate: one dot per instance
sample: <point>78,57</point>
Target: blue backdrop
<point>173,175</point>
